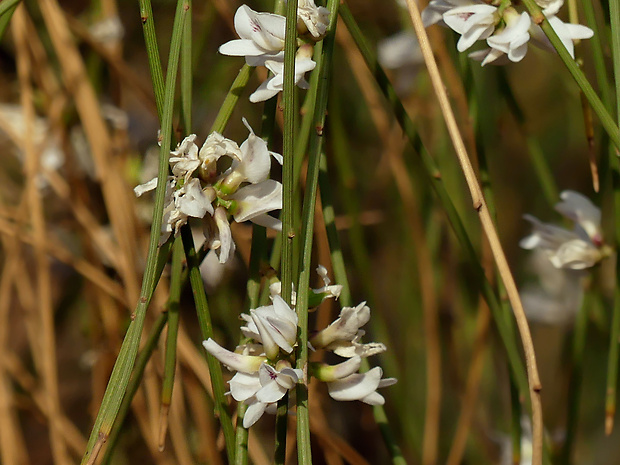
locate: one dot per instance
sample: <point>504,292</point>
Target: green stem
<point>232,98</point>
<point>152,51</point>
<point>288,152</point>
<point>597,105</point>
<point>614,343</point>
<point>134,384</point>
<point>129,349</point>
<point>186,72</point>
<point>204,320</point>
<point>170,358</point>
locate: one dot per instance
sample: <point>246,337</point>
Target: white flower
<point>565,249</point>
<point>253,201</point>
<point>345,327</point>
<point>215,147</point>
<point>252,163</point>
<point>578,249</point>
<point>108,30</point>
<point>550,7</point>
<point>261,390</point>
<point>312,19</point>
<point>360,386</point>
<point>330,290</point>
<point>582,211</point>
<point>556,298</point>
<point>355,348</point>
<point>238,362</point>
<point>275,84</point>
<point>567,33</point>
<point>276,327</point>
<point>473,22</point>
<point>276,382</point>
<point>262,36</point>
<point>513,39</point>
<point>399,50</point>
<point>433,13</point>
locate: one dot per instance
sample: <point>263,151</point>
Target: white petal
<point>355,386</point>
<point>253,413</point>
<point>257,199</point>
<point>227,245</point>
<point>240,48</point>
<point>146,187</point>
<point>237,362</point>
<point>267,221</point>
<point>243,386</point>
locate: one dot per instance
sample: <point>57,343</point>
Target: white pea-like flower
<point>261,36</point>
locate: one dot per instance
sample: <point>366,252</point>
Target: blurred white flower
<point>556,297</point>
<point>581,210</point>
<point>577,249</point>
<point>399,51</point>
<point>275,84</point>
<point>108,30</point>
<point>262,36</point>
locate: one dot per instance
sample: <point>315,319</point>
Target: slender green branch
<point>614,343</point>
<point>204,320</point>
<point>288,152</point>
<point>152,50</point>
<point>134,384</point>
<point>232,98</point>
<point>122,368</point>
<point>170,358</point>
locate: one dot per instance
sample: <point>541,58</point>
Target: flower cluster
<point>264,365</point>
<point>506,31</point>
<point>262,44</point>
<point>581,248</point>
<point>197,189</point>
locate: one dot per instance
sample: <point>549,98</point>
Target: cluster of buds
<point>262,44</point>
<point>506,31</point>
<point>581,248</point>
<point>198,189</point>
<point>264,365</point>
